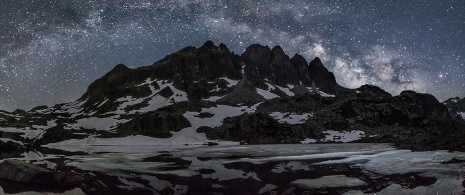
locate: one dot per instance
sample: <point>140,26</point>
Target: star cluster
<point>51,50</point>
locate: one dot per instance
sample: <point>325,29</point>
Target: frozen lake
<point>254,169</point>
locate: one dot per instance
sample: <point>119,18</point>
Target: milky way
<point>50,51</point>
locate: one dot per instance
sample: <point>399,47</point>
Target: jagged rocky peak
<point>261,62</point>
<point>301,66</point>
<point>322,77</point>
<point>213,71</point>
<point>209,62</point>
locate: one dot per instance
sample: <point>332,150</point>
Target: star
<point>50,50</point>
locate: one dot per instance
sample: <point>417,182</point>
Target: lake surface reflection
<point>254,169</point>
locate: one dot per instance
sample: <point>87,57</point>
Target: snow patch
<point>331,181</point>
<point>219,112</point>
<point>49,125</point>
<point>442,185</point>
<point>323,94</point>
<point>101,104</point>
<point>221,173</point>
<point>290,166</point>
<point>148,81</point>
<point>267,94</point>
<point>214,98</point>
<point>187,135</point>
<point>71,108</point>
<point>127,101</point>
<point>462,114</point>
<point>8,139</point>
<point>337,136</point>
<point>287,90</point>
<point>309,141</point>
<point>10,114</point>
<point>230,81</point>
<point>344,136</point>
<point>25,133</point>
<point>97,123</point>
<point>326,94</point>
<point>157,101</point>
<point>75,191</point>
<point>267,188</point>
<point>290,118</point>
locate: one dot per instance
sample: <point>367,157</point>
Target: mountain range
<point>210,95</point>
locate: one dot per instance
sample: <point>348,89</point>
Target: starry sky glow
<point>51,50</point>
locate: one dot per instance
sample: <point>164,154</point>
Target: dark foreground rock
<point>9,146</point>
<point>20,171</point>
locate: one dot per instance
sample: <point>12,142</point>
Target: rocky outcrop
<point>257,128</point>
<point>20,171</point>
<point>408,109</point>
<point>158,124</point>
<point>370,92</point>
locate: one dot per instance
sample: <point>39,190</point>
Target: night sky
<point>50,51</point>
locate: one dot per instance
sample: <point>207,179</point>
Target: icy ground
<point>262,169</point>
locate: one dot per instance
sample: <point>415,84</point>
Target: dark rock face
<point>425,106</point>
<point>275,65</point>
<point>301,66</point>
<point>321,77</point>
<point>208,62</point>
<point>123,82</point>
<point>409,108</point>
<point>157,124</point>
<point>166,92</point>
<point>257,128</point>
<point>17,170</point>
